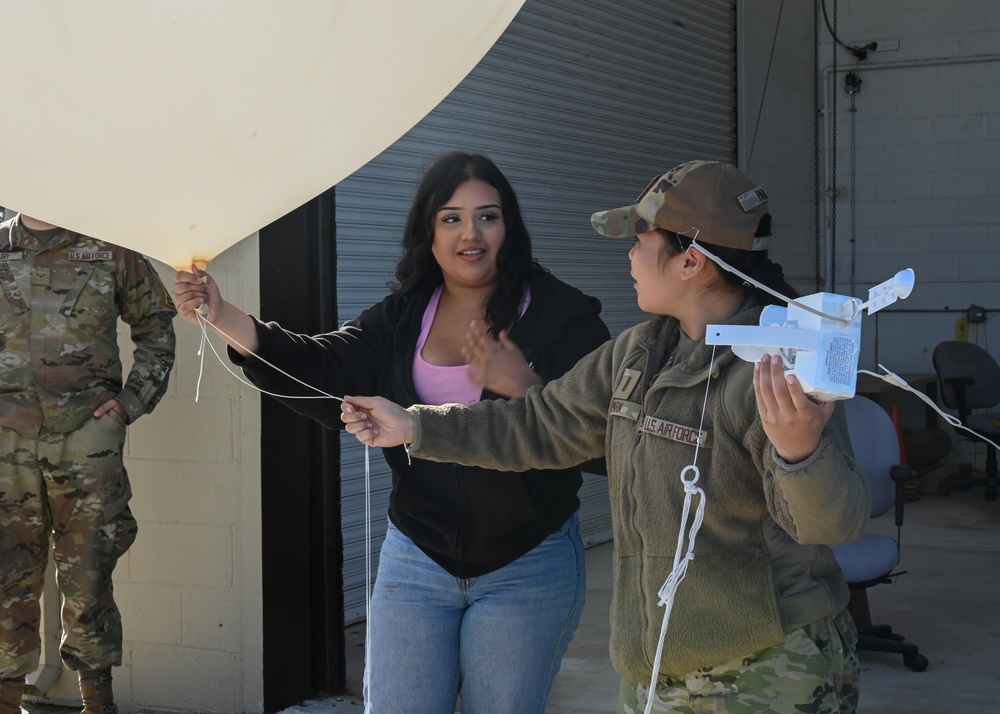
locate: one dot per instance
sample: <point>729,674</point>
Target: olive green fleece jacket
<point>761,568</point>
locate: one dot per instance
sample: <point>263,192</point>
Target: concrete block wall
<point>926,169</point>
<point>926,165</point>
<point>918,163</point>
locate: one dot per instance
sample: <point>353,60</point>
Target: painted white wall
<point>189,589</point>
<point>923,157</point>
<point>917,162</point>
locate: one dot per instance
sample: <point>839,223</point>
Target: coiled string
<point>687,535</point>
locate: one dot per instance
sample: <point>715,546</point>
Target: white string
<point>895,380</point>
<point>784,298</point>
<point>201,353</point>
<point>686,537</point>
<point>203,321</point>
<point>366,678</point>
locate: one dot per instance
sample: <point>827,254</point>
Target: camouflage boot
<point>95,688</point>
<point>11,691</point>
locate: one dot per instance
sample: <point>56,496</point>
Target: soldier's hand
<point>376,421</point>
<point>792,421</point>
<point>112,405</point>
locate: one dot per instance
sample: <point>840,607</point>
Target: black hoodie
<point>471,521</point>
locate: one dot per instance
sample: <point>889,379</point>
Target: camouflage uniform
<point>61,471</point>
<point>814,670</point>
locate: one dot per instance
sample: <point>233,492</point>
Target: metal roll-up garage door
<point>580,103</point>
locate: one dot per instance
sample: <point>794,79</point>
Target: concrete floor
<point>946,603</point>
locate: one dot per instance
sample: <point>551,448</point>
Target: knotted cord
<point>687,535</point>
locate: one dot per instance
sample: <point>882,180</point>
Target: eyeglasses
<point>693,238</point>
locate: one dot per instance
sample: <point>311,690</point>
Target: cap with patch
<point>714,199</point>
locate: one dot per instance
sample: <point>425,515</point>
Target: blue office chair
<point>970,382</point>
<point>872,559</point>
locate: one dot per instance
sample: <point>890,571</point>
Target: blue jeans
<point>498,638</point>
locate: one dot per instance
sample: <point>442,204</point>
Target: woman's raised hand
<point>497,364</point>
<point>792,421</point>
<point>376,421</point>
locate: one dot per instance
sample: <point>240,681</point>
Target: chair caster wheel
<point>917,662</point>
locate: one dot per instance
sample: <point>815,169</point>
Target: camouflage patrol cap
<point>715,199</point>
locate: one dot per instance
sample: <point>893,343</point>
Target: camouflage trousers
<point>69,492</point>
<point>815,670</point>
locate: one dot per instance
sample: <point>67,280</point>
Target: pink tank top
<point>451,384</point>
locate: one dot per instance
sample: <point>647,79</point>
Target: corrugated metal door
<point>580,103</point>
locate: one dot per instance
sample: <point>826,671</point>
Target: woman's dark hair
<point>754,263</point>
<point>418,268</point>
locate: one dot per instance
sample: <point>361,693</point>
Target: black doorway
<point>302,545</point>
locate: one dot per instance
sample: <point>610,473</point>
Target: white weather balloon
<point>178,127</point>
